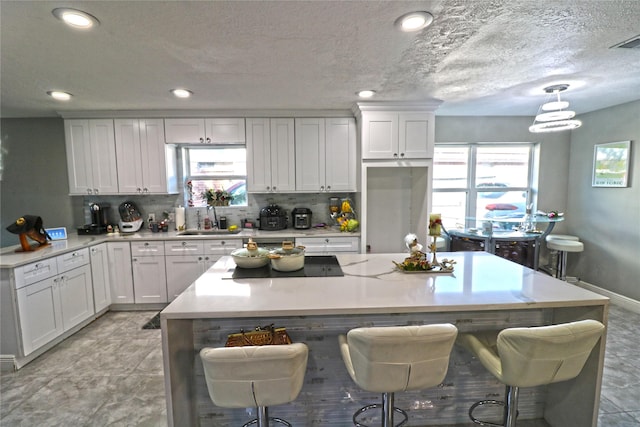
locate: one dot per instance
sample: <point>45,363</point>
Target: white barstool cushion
<point>561,237</point>
<point>529,357</point>
<point>565,245</point>
<point>252,376</point>
<point>398,358</point>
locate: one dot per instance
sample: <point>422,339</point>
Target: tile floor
<point>110,374</point>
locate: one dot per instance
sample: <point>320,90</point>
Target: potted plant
<point>218,197</point>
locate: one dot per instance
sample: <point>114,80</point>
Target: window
<point>476,181</point>
<point>217,168</point>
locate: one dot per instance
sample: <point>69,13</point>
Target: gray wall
<point>607,220</point>
<point>34,174</point>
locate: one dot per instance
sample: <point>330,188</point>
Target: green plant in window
<point>217,197</point>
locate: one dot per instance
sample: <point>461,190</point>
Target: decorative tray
<point>435,270</point>
<point>417,263</point>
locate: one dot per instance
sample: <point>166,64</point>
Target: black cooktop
<point>314,266</point>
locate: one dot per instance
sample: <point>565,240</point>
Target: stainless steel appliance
<point>130,217</point>
<point>301,218</point>
<point>273,218</point>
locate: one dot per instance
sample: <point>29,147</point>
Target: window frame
<point>186,169</point>
<point>472,190</point>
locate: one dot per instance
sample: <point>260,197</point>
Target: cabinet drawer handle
<point>184,243</point>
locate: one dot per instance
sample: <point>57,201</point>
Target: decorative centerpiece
<point>417,261</point>
<point>435,229</point>
<point>217,197</point>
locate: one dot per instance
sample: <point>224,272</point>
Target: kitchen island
<point>483,292</point>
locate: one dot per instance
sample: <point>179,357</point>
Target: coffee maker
<point>99,213</point>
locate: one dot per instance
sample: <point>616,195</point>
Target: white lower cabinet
<point>329,245</point>
<point>149,278</point>
<point>188,260</point>
<point>40,314</point>
<point>100,277</point>
<point>49,307</point>
<point>120,273</point>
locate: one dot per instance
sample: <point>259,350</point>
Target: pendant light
<point>555,118</point>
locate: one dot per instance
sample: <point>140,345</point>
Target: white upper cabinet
<point>145,164</point>
<point>325,154</point>
<point>270,155</point>
<point>205,131</point>
<point>397,135</point>
<point>91,157</point>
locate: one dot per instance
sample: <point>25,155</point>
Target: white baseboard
<point>7,363</point>
<point>617,299</point>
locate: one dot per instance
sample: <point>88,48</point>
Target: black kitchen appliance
<point>99,219</point>
<point>301,218</point>
<point>273,218</point>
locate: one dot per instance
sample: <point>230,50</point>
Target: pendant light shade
<point>556,118</point>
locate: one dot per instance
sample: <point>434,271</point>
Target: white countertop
<point>9,258</point>
<point>371,284</point>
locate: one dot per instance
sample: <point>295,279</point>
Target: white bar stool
<point>255,376</point>
<point>552,266</point>
<point>396,358</point>
<point>564,247</point>
<point>530,357</point>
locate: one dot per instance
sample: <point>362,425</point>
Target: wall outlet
<point>151,217</point>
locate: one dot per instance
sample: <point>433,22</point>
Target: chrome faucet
<point>215,217</point>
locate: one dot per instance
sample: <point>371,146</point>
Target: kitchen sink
<point>208,232</point>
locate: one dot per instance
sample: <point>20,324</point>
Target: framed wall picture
<point>611,164</point>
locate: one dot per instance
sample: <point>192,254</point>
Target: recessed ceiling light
<point>414,21</point>
<point>181,93</point>
<point>75,18</point>
<point>366,93</point>
<point>59,95</point>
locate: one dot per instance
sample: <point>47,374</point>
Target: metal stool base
<point>277,420</point>
<point>510,413</point>
<point>378,406</point>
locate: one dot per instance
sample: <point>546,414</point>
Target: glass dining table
<point>503,236</point>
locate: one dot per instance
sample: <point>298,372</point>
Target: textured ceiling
<point>478,57</point>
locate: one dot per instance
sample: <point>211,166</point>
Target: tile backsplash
<point>159,204</point>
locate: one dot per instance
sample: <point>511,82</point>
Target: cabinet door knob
<point>145,190</point>
<point>199,258</point>
<point>95,191</point>
<point>328,188</point>
<point>274,188</point>
<point>223,243</point>
<point>401,154</point>
<point>89,191</point>
<point>146,243</point>
<point>322,188</point>
<point>201,140</point>
<point>326,240</point>
<point>184,243</point>
<point>208,140</point>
